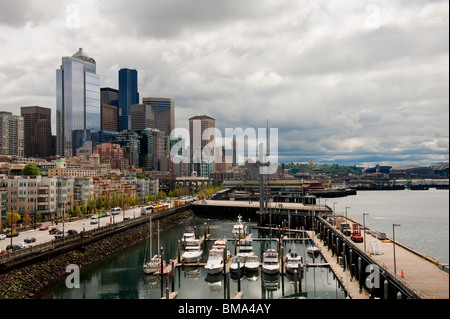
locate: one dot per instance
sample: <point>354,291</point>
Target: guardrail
<point>72,239</point>
<point>413,290</point>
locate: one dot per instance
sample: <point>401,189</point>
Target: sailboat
<point>313,249</point>
<point>154,264</point>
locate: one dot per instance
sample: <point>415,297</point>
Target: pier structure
<point>372,264</point>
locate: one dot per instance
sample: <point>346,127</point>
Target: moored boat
<point>251,263</point>
<point>293,261</point>
<point>270,264</point>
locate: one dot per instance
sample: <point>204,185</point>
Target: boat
<point>239,229</point>
<point>251,263</point>
<point>270,264</point>
<point>214,265</point>
<point>245,247</point>
<point>293,260</point>
<point>237,263</point>
<point>188,235</point>
<point>313,249</point>
<point>192,250</point>
<point>154,264</point>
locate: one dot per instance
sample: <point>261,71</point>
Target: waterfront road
<point>79,225</point>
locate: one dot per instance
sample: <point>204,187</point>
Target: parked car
<point>2,236</point>
<point>29,240</point>
<point>71,232</point>
<point>94,221</point>
<point>9,235</point>
<point>23,245</point>
<point>53,231</point>
<point>106,214</point>
<point>12,247</point>
<point>43,227</point>
<point>59,234</point>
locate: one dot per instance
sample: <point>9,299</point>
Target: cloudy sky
<point>343,81</point>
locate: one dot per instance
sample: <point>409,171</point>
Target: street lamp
<point>393,242</point>
<point>346,221</point>
<point>334,213</point>
<point>364,226</point>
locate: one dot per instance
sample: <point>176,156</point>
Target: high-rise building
<point>77,103</point>
<point>128,95</point>
<point>203,166</point>
<point>110,109</point>
<point>12,136</point>
<point>142,117</point>
<point>37,131</point>
<point>164,111</point>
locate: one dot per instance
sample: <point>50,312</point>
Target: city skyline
<point>344,82</point>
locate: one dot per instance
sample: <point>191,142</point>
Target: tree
<point>30,170</point>
<point>15,218</point>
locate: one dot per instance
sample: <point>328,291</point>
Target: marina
<point>336,270</point>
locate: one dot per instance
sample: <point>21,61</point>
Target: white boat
<point>155,262</point>
<point>313,249</point>
<point>251,263</point>
<point>237,263</point>
<point>245,247</point>
<point>188,235</point>
<point>270,264</point>
<point>239,229</point>
<point>214,264</point>
<point>293,260</point>
<point>192,251</point>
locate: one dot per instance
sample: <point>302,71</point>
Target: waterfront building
<point>3,201</point>
<point>78,113</point>
<point>37,131</point>
<point>32,194</point>
<point>128,95</point>
<point>111,154</point>
<point>142,117</point>
<point>199,164</point>
<point>12,132</point>
<point>164,113</point>
<point>129,141</point>
<point>106,187</point>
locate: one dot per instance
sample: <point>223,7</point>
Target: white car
<point>94,216</point>
<point>2,236</point>
<point>23,245</point>
<point>94,221</point>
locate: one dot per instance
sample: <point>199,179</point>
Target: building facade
<point>200,164</point>
<point>12,138</point>
<point>78,113</point>
<point>164,112</point>
<point>37,131</point>
<point>142,117</point>
<point>128,95</point>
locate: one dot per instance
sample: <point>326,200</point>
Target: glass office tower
<point>128,95</point>
<point>77,103</point>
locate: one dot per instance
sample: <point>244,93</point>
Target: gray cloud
<point>340,80</point>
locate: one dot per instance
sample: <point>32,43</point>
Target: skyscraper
<point>197,126</point>
<point>109,111</point>
<point>164,111</point>
<point>11,130</point>
<point>37,131</point>
<point>128,95</point>
<point>142,117</point>
<point>77,102</point>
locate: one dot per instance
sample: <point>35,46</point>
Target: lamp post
<point>346,221</point>
<point>364,226</point>
<point>334,213</point>
<point>393,242</point>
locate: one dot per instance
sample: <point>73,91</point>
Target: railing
<point>71,239</point>
<point>413,290</point>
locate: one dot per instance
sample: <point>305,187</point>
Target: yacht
<point>270,264</point>
<point>293,260</point>
<point>214,264</point>
<point>239,229</point>
<point>237,263</point>
<point>313,249</point>
<point>192,251</point>
<point>245,247</point>
<point>251,263</point>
